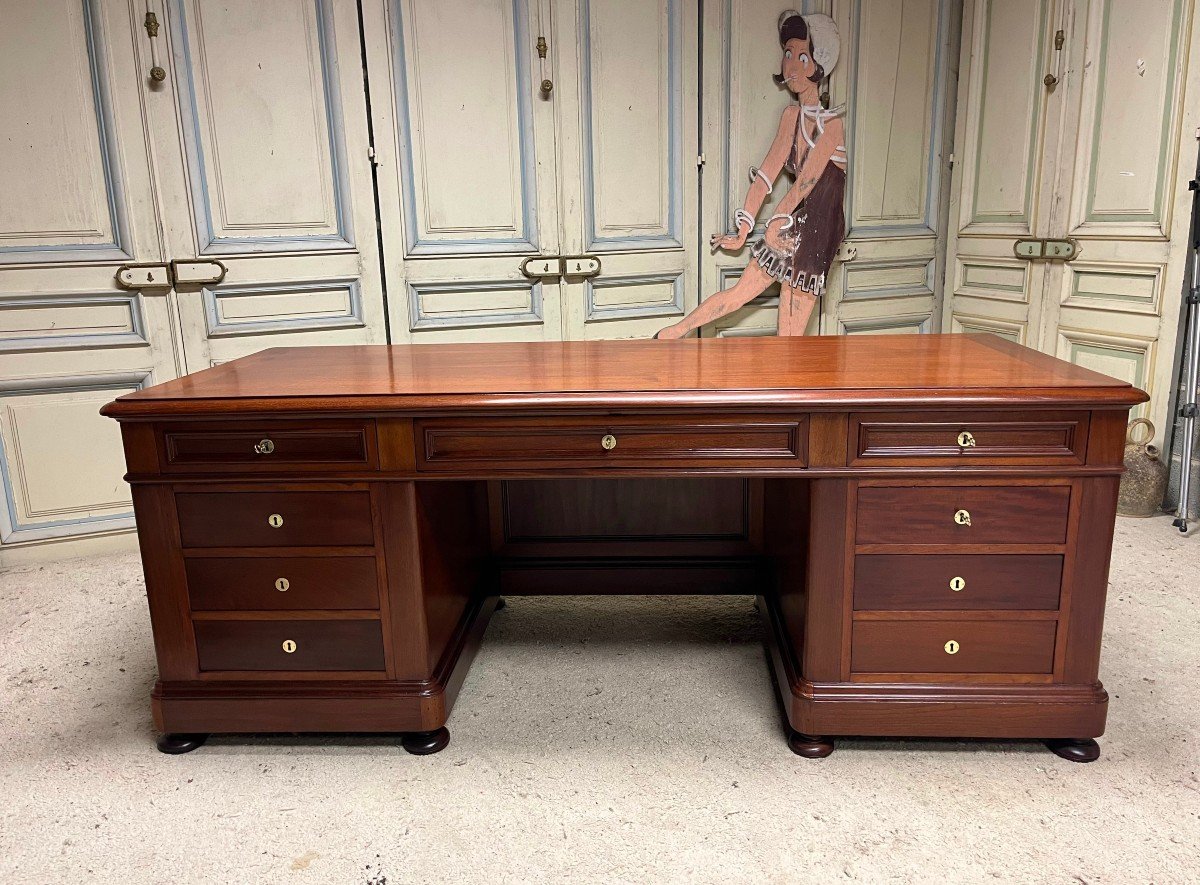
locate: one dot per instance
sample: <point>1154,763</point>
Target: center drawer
<point>963,514</point>
<point>289,645</point>
<point>275,519</point>
<point>514,443</point>
<point>266,583</point>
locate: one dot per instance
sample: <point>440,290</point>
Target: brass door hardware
<point>275,520</point>
<point>957,584</point>
<point>608,442</point>
<point>157,72</point>
<point>538,267</point>
<point>1046,249</point>
<point>282,584</point>
<point>289,645</point>
<point>177,272</point>
<point>547,84</point>
<point>144,276</point>
<point>951,647</point>
<point>264,447</point>
<point>962,517</point>
<point>966,439</point>
<point>581,266</point>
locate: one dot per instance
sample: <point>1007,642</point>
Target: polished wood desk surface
<point>926,523</point>
<point>830,370</point>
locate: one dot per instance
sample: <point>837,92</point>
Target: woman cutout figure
<point>802,237</point>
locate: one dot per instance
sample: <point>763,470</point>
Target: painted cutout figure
<point>803,236</point>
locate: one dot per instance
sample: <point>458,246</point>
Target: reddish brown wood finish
<point>983,646</point>
<point>342,645</point>
<point>999,515</point>
<point>907,582</point>
<point>997,438</point>
<point>502,445</point>
<point>312,582</point>
<point>242,519</point>
<point>811,471</point>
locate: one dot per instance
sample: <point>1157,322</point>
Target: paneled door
<point>76,204</point>
<point>266,176</point>
<point>1079,121</point>
<point>536,172</point>
<point>895,77</point>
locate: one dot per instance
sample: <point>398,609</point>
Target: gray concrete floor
<point>605,740</point>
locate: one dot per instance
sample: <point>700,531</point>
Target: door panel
<point>1102,166</point>
<point>266,108</point>
<point>628,142</point>
<point>466,167</point>
<point>77,192</point>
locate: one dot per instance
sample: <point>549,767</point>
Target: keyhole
<point>274,520</point>
<point>282,584</point>
<point>957,584</point>
<point>951,647</point>
<point>289,645</point>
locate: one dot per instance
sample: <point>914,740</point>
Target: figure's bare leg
<point>795,308</point>
<point>752,283</point>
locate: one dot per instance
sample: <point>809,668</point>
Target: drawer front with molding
<point>919,515</point>
<point>264,583</point>
<point>952,646</point>
<point>980,438</point>
<point>283,446</point>
<point>275,519</point>
<point>350,645</point>
<point>743,441</point>
<point>947,582</point>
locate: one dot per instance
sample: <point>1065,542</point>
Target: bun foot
<point>810,746</point>
<point>501,604</point>
<point>1075,749</point>
<point>175,744</point>
<point>423,743</point>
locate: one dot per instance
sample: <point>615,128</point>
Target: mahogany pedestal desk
<point>925,520</point>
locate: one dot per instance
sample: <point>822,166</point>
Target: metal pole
<point>1188,410</point>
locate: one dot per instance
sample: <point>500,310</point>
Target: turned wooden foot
<point>1075,749</point>
<point>180,743</point>
<point>501,604</point>
<point>422,743</point>
<point>810,746</point>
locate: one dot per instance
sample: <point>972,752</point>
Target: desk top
<point>812,372</point>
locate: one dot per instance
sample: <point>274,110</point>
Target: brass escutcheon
<point>289,645</point>
<point>957,583</point>
<point>951,647</point>
<point>274,520</point>
<point>966,440</point>
<point>608,442</point>
<point>264,447</point>
<point>962,517</point>
<point>282,584</point>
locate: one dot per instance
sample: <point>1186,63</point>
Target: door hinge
<point>700,160</point>
<point>1059,39</point>
<point>371,155</point>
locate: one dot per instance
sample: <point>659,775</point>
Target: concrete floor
<point>606,740</point>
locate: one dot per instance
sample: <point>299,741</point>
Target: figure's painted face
<point>798,65</point>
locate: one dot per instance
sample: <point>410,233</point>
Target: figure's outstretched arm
<point>763,184</point>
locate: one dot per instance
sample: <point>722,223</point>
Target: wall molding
<point>418,319</point>
<point>134,337</point>
<point>596,313</point>
<point>218,328</point>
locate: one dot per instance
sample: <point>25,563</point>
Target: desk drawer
<point>915,582</point>
<point>283,446</point>
<point>963,514</point>
<point>953,647</point>
<point>316,645</point>
<point>748,440</point>
<point>275,519</point>
<point>985,438</point>
<point>262,583</point>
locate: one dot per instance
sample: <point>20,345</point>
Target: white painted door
<point>263,153</point>
<point>464,138</point>
<point>1102,156</point>
<point>895,76</point>
<point>628,142</point>
<point>77,203</point>
<point>484,171</point>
